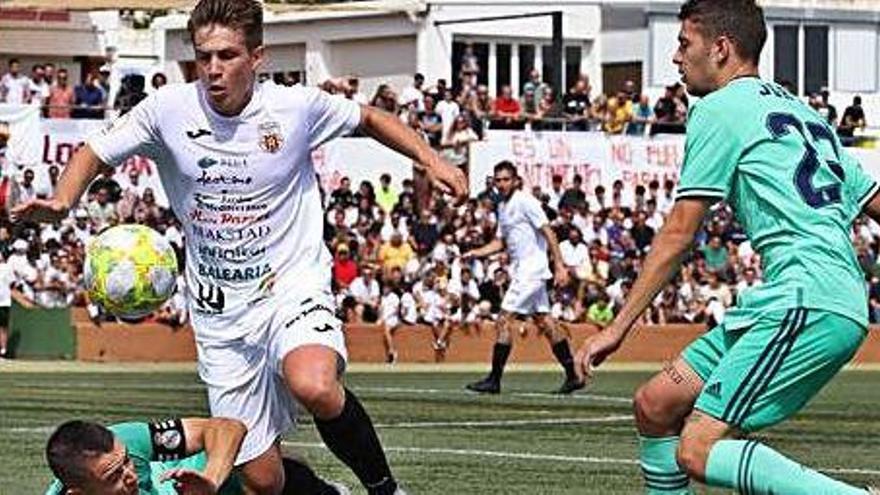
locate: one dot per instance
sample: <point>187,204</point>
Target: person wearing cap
<point>24,273</point>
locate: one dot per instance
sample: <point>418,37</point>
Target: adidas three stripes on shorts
<point>758,376</point>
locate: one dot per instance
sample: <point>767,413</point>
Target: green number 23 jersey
<point>793,188</point>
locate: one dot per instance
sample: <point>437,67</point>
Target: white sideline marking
<point>486,453</point>
<point>452,391</point>
<point>489,453</point>
<point>424,424</point>
<point>508,422</point>
<point>542,457</point>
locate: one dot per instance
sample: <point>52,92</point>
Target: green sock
<point>753,468</point>
<point>659,467</point>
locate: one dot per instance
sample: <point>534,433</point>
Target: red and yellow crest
<point>271,137</point>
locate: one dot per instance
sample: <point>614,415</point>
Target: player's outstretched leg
<point>548,326</point>
<point>500,352</point>
<point>660,406</point>
<point>312,373</point>
<point>747,466</point>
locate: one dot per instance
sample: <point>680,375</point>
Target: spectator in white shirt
<point>750,279</point>
<point>366,293</point>
<point>27,190</point>
<point>54,286</point>
<point>23,271</point>
<point>464,294</point>
<point>14,87</point>
<point>448,109</point>
<point>446,249</point>
<point>414,93</point>
<point>556,191</point>
<point>39,88</point>
<point>574,251</point>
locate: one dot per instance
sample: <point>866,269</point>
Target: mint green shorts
<point>758,376</point>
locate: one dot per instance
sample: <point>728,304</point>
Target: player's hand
<point>595,350</point>
<point>189,482</point>
<point>40,210</point>
<point>561,276</point>
<point>449,179</point>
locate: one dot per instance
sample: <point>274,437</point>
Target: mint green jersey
<point>142,452</point>
<point>793,188</point>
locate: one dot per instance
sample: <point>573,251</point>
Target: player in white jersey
<point>523,228</point>
<point>234,157</point>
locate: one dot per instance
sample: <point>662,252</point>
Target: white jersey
<point>519,222</point>
<point>244,188</point>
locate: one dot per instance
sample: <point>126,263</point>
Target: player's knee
<point>652,414</point>
<point>322,396</point>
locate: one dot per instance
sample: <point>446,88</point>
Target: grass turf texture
<point>440,439</point>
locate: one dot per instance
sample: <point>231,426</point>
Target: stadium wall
<point>153,342</point>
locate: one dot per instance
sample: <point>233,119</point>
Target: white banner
<point>23,122</point>
<point>598,158</point>
<point>60,138</point>
<point>359,159</point>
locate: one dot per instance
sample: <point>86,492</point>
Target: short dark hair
<point>740,20</point>
<point>505,165</point>
<point>14,61</point>
<point>246,15</point>
<point>71,444</point>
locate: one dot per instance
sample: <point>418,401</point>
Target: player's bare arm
<point>560,273</point>
<point>390,131</point>
<point>76,177</point>
<point>668,249</point>
<point>220,439</point>
<point>494,246</point>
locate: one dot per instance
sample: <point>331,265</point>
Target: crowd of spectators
<point>398,263</point>
<point>46,260</point>
<point>448,116</point>
<point>60,98</point>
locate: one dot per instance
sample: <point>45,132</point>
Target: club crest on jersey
<point>271,138</point>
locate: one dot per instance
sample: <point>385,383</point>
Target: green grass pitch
<point>440,439</point>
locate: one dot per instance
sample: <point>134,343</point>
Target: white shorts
<point>526,297</point>
<point>244,376</point>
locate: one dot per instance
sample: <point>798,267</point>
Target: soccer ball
<point>130,270</point>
